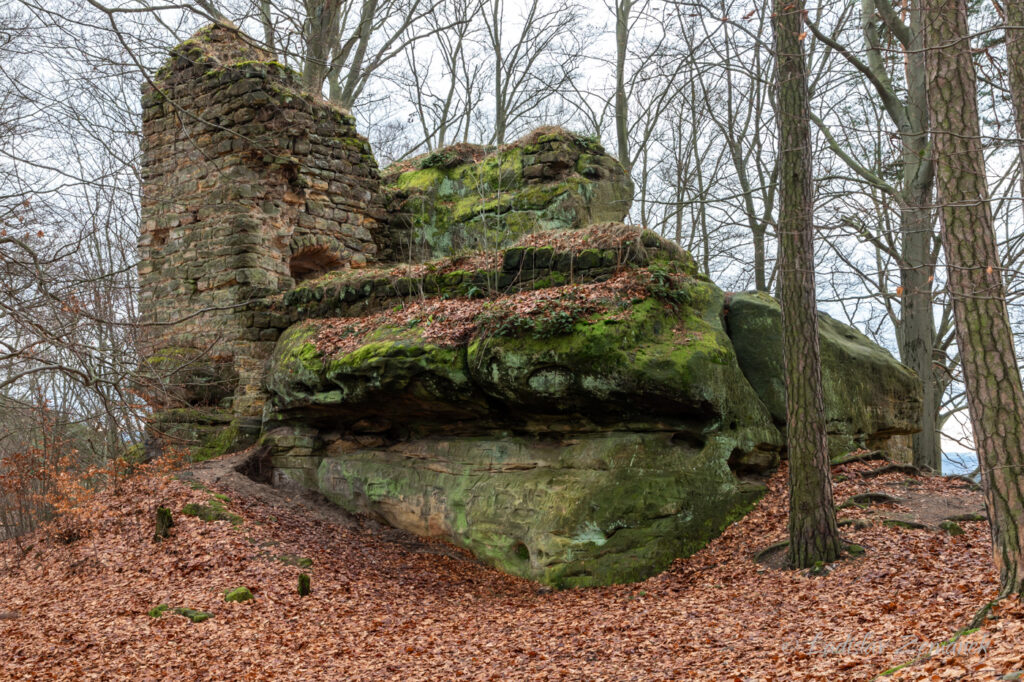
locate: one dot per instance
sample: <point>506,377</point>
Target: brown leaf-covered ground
<point>386,606</point>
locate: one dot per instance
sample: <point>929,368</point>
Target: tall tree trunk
<point>320,33</point>
<point>500,115</point>
<point>917,333</point>
<point>347,97</point>
<point>813,535</point>
<point>266,21</point>
<point>995,397</point>
<point>1014,22</point>
<point>622,10</point>
<point>917,329</point>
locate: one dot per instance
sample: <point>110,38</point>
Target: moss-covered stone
<point>469,197</point>
<point>158,611</point>
<point>628,421</point>
<point>588,510</point>
<point>214,511</point>
<point>194,615</point>
<point>869,396</point>
<point>395,372</point>
<point>238,594</point>
<point>952,527</point>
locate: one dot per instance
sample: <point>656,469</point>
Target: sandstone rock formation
<point>574,426</point>
<point>474,197</point>
<point>574,403</point>
<point>870,398</point>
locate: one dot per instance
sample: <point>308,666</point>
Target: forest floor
<point>75,597</point>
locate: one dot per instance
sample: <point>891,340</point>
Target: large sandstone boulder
<point>870,398</point>
<point>571,409</point>
<point>576,434</point>
<point>468,197</point>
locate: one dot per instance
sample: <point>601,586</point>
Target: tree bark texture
<point>813,535</point>
<point>995,397</point>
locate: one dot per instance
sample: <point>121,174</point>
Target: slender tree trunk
<point>813,535</point>
<point>268,27</point>
<point>500,115</point>
<point>917,337</point>
<point>622,10</point>
<point>917,329</point>
<point>320,33</point>
<point>760,281</point>
<point>1015,68</point>
<point>347,98</point>
<point>995,397</point>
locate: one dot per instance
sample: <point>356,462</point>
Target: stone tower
<point>249,184</point>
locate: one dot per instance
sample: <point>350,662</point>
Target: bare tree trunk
<point>268,27</point>
<point>1014,22</point>
<point>813,535</point>
<point>917,333</point>
<point>622,10</point>
<point>915,326</point>
<point>347,97</point>
<point>321,34</point>
<point>995,398</point>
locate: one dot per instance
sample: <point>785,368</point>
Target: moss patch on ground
<point>213,511</point>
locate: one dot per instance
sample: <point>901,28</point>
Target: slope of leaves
<point>387,608</point>
<point>450,322</point>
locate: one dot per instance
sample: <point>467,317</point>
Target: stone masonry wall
<point>249,186</point>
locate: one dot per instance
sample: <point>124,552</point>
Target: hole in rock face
<point>687,438</point>
<point>521,551</point>
<point>257,466</point>
<point>313,261</point>
<point>159,238</point>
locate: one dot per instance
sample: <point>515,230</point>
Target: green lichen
<point>219,444</point>
<point>158,611</point>
<point>456,203</point>
<point>421,180</point>
<point>952,527</point>
<point>626,504</point>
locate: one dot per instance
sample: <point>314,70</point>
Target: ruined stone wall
<point>249,185</point>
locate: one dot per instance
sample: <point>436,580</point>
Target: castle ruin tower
<point>249,185</point>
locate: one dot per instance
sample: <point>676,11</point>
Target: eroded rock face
<point>577,434</point>
<point>468,197</point>
<point>871,400</point>
<point>572,410</point>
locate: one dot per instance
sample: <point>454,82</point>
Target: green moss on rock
<point>869,396</point>
<point>463,197</point>
<point>194,615</point>
<point>599,509</point>
<point>238,594</point>
<point>214,511</point>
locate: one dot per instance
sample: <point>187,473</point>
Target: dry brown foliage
<point>387,606</point>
